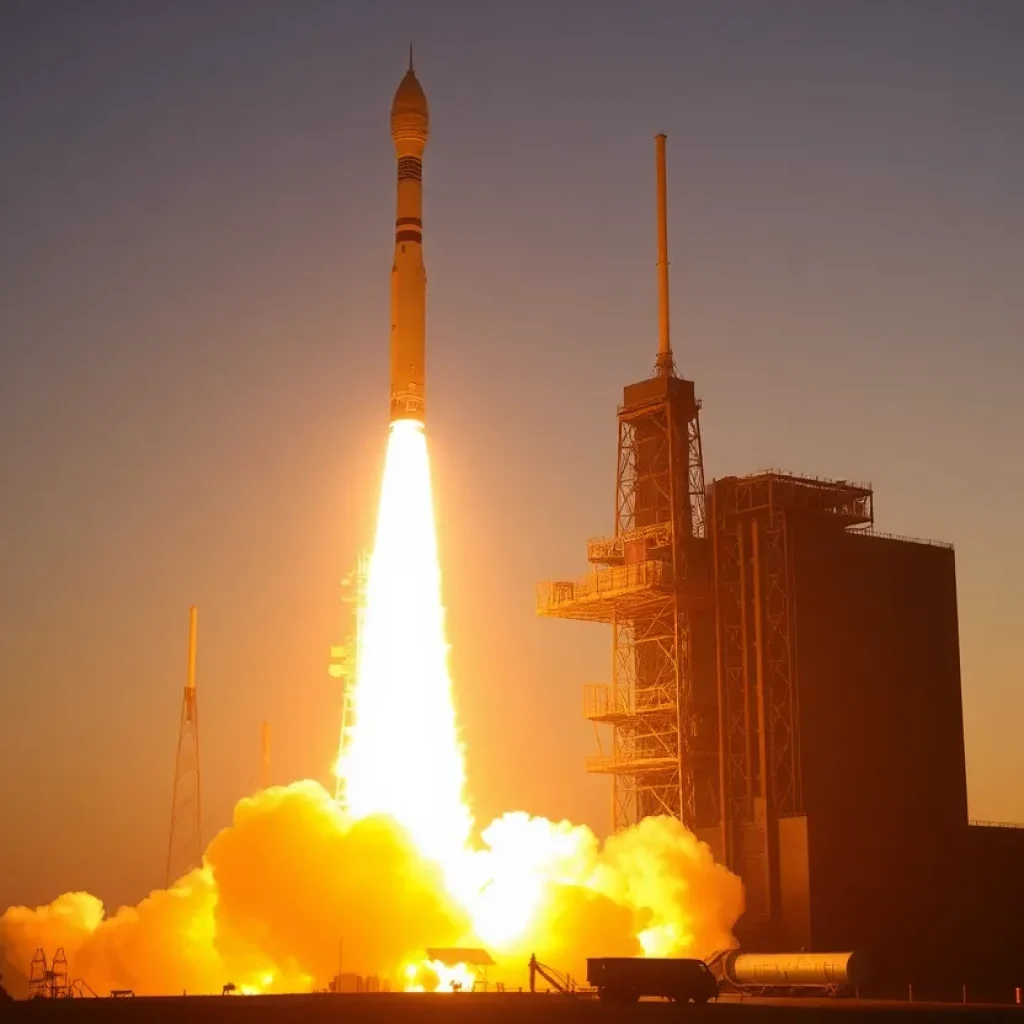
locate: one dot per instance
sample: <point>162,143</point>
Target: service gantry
<point>752,522</point>
<point>698,587</point>
<point>650,581</point>
<point>344,665</point>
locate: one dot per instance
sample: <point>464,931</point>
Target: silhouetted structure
<point>345,663</point>
<point>786,681</point>
<point>651,583</point>
<point>185,844</point>
<point>49,981</point>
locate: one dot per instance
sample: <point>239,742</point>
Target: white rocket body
<point>409,127</point>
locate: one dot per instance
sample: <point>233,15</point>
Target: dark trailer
<point>626,979</point>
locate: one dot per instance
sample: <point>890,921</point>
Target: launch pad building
<point>786,681</point>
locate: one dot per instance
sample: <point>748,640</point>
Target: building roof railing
<point>785,474</point>
<point>904,539</point>
<point>773,491</point>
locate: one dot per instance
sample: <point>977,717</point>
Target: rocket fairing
<point>409,127</point>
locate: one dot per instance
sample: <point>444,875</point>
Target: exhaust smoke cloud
<point>293,874</point>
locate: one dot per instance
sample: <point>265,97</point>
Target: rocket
<point>409,126</point>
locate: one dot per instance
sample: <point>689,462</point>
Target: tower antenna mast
<point>665,366</point>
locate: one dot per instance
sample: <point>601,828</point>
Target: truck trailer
<point>626,979</point>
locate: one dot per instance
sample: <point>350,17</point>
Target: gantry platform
<point>627,590</point>
<point>612,705</point>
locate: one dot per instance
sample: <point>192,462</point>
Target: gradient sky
<point>196,206</point>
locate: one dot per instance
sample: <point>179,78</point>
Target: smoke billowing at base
<point>291,875</point>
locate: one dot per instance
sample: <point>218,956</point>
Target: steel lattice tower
<point>185,845</point>
<point>649,581</point>
<point>751,522</point>
<point>345,663</point>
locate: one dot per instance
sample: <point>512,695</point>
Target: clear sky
<point>196,208</point>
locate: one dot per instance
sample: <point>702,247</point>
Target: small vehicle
<point>623,979</point>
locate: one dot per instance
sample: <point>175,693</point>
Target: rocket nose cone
<point>409,97</point>
<point>409,113</point>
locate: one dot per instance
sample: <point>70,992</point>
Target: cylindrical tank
<point>793,970</point>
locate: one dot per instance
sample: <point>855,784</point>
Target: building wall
<point>794,924</point>
<point>878,671</point>
<point>991,899</point>
<point>883,860</point>
<point>888,888</point>
<point>882,752</point>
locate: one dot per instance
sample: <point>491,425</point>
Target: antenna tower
<point>345,663</point>
<point>185,845</point>
<point>49,981</point>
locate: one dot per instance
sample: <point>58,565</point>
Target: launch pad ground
<point>467,1008</point>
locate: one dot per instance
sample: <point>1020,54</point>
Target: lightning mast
<point>185,845</point>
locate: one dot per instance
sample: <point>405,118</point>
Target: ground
<point>465,1007</point>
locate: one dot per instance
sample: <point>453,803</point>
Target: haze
<point>194,255</point>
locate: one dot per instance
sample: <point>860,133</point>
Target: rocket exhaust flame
<point>404,757</point>
<point>530,886</point>
<point>397,865</point>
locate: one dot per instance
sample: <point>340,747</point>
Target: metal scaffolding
<point>344,664</point>
<point>649,580</point>
<point>753,598</point>
<point>644,585</point>
<point>702,706</point>
<point>49,981</point>
<point>756,679</point>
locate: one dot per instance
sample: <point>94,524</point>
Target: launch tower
<point>786,681</point>
<point>650,581</point>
